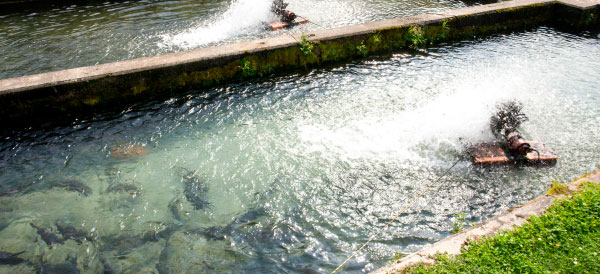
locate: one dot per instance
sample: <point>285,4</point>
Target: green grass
<point>566,239</point>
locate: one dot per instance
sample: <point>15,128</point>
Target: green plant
<point>397,257</point>
<point>442,34</point>
<point>362,49</point>
<point>247,70</point>
<point>589,19</point>
<point>460,223</point>
<point>306,46</point>
<point>376,38</point>
<point>415,37</point>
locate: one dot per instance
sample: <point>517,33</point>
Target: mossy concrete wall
<point>114,85</point>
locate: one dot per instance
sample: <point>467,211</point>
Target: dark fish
<point>48,236</point>
<point>74,185</point>
<point>124,242</point>
<point>173,207</point>
<point>195,190</point>
<point>69,232</point>
<point>107,268</point>
<point>66,267</point>
<point>10,258</point>
<point>154,236</point>
<point>127,188</point>
<point>15,190</point>
<point>163,261</point>
<point>128,242</point>
<point>219,232</point>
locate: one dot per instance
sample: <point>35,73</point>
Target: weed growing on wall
<point>306,46</point>
<point>460,223</point>
<point>362,49</point>
<point>247,70</point>
<point>415,37</point>
<point>589,19</point>
<point>442,34</point>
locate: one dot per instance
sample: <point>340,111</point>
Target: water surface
<point>294,173</point>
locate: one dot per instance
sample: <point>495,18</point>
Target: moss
<point>558,189</point>
<point>91,101</point>
<point>139,88</point>
<point>336,50</point>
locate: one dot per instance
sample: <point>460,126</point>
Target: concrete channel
<point>55,95</point>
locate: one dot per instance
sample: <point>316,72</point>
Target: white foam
<point>459,115</point>
<point>242,17</point>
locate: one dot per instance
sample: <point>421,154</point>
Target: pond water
<point>35,41</point>
<point>294,173</point>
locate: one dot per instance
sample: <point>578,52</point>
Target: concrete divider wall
<point>114,85</point>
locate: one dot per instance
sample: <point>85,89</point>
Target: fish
<point>69,266</point>
<point>219,232</point>
<point>65,232</point>
<point>127,188</point>
<point>195,190</point>
<point>70,232</point>
<point>10,258</point>
<point>173,207</point>
<point>127,151</point>
<point>128,242</point>
<point>73,185</point>
<point>107,268</point>
<point>15,190</point>
<point>47,236</point>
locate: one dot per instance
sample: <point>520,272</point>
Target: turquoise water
<point>36,41</point>
<point>294,173</point>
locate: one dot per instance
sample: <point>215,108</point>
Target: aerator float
<point>286,17</point>
<point>510,146</point>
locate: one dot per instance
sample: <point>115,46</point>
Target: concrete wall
<point>112,86</point>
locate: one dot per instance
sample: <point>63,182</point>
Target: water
<point>293,174</point>
<point>35,41</point>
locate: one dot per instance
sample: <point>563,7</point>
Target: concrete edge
<point>114,85</point>
<point>507,221</point>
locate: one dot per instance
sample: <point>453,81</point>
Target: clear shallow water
<point>297,172</point>
<point>73,36</point>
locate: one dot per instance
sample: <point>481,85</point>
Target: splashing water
<point>455,118</point>
<point>242,17</point>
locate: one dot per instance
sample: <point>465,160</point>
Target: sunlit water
<point>39,41</point>
<point>301,170</point>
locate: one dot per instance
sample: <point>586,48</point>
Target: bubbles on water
<point>449,112</point>
<point>243,17</point>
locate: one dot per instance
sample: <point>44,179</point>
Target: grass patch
<point>566,239</point>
